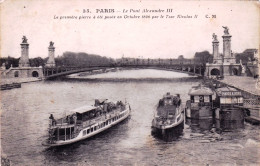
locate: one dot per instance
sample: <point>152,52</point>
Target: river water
<point>25,112</point>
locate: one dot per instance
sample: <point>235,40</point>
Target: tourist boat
<point>169,114</point>
<point>200,105</point>
<point>85,122</point>
<point>229,108</point>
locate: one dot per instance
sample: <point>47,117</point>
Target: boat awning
<point>83,109</point>
<point>200,90</point>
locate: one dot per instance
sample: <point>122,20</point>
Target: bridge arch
<point>215,72</point>
<point>235,71</point>
<point>35,74</point>
<point>191,69</point>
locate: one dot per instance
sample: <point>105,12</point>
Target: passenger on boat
<point>52,120</point>
<point>119,103</point>
<point>179,100</point>
<point>160,102</point>
<point>71,120</point>
<point>68,119</point>
<point>75,118</point>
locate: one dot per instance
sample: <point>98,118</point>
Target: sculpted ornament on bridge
<point>226,30</point>
<point>24,39</point>
<point>214,36</point>
<point>51,44</point>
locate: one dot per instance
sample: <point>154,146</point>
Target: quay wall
<point>22,72</point>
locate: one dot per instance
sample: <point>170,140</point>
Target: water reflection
<point>213,125</point>
<point>169,135</point>
<point>199,125</point>
<point>225,125</point>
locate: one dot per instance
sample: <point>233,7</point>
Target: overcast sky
<point>147,38</point>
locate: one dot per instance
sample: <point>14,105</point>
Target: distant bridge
<point>55,72</point>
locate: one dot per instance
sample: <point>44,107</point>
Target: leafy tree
<point>244,57</point>
<point>36,62</point>
<point>82,60</point>
<point>203,57</point>
<point>9,61</point>
<point>181,57</point>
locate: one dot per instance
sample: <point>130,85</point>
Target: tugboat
<point>169,115</point>
<point>85,122</point>
<point>200,105</point>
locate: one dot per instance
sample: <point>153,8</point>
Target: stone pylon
<point>216,57</point>
<point>228,56</point>
<point>51,60</point>
<point>24,60</point>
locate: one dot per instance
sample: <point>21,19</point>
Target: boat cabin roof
<point>200,90</point>
<point>169,99</point>
<point>168,96</point>
<point>83,109</point>
<point>228,91</point>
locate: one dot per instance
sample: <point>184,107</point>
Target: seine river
<point>25,113</point>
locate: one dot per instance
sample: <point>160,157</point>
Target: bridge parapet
<point>52,72</point>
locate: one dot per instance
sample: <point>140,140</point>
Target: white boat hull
<point>169,126</point>
<point>82,134</point>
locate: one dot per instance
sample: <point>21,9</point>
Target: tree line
<point>82,59</point>
<point>70,59</point>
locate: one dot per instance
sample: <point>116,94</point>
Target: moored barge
<point>229,111</point>
<point>10,86</point>
<point>200,105</point>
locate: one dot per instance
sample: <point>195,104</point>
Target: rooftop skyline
<point>147,38</point>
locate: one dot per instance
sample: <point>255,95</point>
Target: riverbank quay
<point>10,83</point>
<point>20,80</point>
<point>245,84</point>
<point>250,90</point>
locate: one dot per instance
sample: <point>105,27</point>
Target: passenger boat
<point>200,105</point>
<point>85,122</point>
<point>169,114</point>
<point>229,111</point>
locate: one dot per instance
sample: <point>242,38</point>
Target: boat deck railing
<point>67,136</point>
<point>100,118</point>
<point>61,125</point>
<point>66,123</point>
